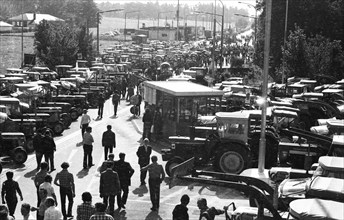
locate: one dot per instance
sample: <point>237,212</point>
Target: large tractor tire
<point>172,163</point>
<point>19,155</point>
<point>66,120</point>
<point>29,145</point>
<point>74,115</point>
<point>232,158</point>
<point>58,128</point>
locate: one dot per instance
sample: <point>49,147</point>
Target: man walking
<point>9,191</point>
<point>101,101</point>
<point>109,187</point>
<point>37,145</point>
<point>125,172</point>
<point>108,141</point>
<point>65,181</point>
<point>143,153</point>
<point>47,186</point>
<point>39,178</point>
<point>49,149</point>
<point>115,101</point>
<point>88,148</point>
<point>156,176</point>
<point>85,121</point>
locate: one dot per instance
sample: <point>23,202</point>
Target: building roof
<point>4,24</point>
<point>39,18</point>
<point>182,88</point>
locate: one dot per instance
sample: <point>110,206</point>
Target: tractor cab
<point>12,145</point>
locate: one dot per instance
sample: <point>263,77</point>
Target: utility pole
<point>262,141</point>
<point>178,21</point>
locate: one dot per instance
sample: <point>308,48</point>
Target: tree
<point>308,57</point>
<point>57,43</point>
<point>323,17</point>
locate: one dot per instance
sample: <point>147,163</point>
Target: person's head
<point>9,175</point>
<point>50,201</point>
<point>48,178</point>
<point>89,129</point>
<point>86,197</point>
<point>3,212</point>
<point>147,110</point>
<point>47,133</point>
<point>44,165</point>
<point>146,141</point>
<point>122,156</point>
<point>109,127</point>
<point>154,159</point>
<point>85,111</point>
<point>25,209</point>
<point>100,207</point>
<point>202,203</point>
<point>185,199</point>
<point>65,165</point>
<point>111,156</point>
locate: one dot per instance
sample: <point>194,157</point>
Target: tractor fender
<point>226,144</point>
<point>64,115</point>
<point>19,148</point>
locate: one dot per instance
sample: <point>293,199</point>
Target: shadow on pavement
<point>82,173</point>
<point>30,174</point>
<point>140,190</point>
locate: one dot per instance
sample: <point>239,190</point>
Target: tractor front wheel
<point>232,159</point>
<point>172,163</point>
<point>58,128</point>
<point>20,156</point>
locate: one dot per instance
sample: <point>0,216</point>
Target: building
<point>30,20</point>
<point>5,27</point>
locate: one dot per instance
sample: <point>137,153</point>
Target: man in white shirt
<point>85,120</point>
<point>52,212</point>
<point>47,186</point>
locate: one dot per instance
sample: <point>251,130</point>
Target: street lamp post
<point>159,20</point>
<point>125,23</point>
<point>222,24</point>
<point>113,10</point>
<point>214,35</point>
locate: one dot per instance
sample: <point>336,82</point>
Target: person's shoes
<point>70,216</point>
<point>154,209</point>
<point>85,167</point>
<point>91,165</point>
<point>143,183</point>
<point>123,206</point>
<point>52,170</point>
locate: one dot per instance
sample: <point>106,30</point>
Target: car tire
<point>58,128</point>
<point>172,163</point>
<point>232,159</point>
<point>19,156</point>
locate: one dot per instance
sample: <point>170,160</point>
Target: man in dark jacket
<point>37,145</point>
<point>109,187</point>
<point>143,153</point>
<point>180,211</point>
<point>115,101</point>
<point>147,120</point>
<point>125,172</point>
<point>49,148</point>
<point>101,101</point>
<point>108,141</point>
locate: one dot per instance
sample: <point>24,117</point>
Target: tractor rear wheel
<point>172,163</point>
<point>232,159</point>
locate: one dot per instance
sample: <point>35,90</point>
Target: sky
<point>228,3</point>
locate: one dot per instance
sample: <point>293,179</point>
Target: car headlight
<point>283,156</point>
<point>173,146</point>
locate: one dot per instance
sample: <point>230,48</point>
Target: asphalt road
<point>128,135</point>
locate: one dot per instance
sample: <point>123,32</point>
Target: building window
<point>164,35</point>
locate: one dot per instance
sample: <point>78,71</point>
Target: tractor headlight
<point>173,146</point>
<point>283,156</point>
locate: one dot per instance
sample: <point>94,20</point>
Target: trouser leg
<point>70,202</point>
<point>63,195</point>
<point>124,197</point>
